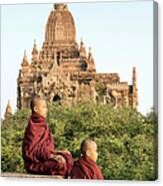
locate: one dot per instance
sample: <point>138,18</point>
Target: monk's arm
<point>45,148</point>
<point>43,152</point>
<point>37,143</point>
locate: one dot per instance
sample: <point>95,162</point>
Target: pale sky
<point>120,34</point>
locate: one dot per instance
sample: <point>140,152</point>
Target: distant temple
<point>62,71</point>
<point>8,112</point>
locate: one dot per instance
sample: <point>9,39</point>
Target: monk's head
<point>89,148</point>
<point>39,106</point>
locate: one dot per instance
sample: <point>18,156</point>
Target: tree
<point>126,139</point>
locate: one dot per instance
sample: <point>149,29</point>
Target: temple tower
<point>8,112</point>
<point>134,84</point>
<point>64,71</point>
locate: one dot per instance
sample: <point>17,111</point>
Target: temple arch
<point>57,99</point>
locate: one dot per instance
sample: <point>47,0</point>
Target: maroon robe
<point>85,168</point>
<point>38,145</point>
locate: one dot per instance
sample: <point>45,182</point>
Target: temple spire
<point>25,60</point>
<point>82,49</point>
<point>8,111</point>
<point>134,81</point>
<point>35,45</point>
<point>60,27</point>
<point>91,63</point>
<point>134,84</point>
<point>34,52</point>
<point>90,55</point>
<point>25,54</point>
<point>81,42</point>
<point>60,6</point>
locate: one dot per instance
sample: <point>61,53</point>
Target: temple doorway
<point>57,99</point>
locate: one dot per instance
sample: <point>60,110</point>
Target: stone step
<point>26,175</point>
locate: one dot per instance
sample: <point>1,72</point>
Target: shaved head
<point>85,145</point>
<point>39,106</point>
<point>88,149</point>
<point>35,101</point>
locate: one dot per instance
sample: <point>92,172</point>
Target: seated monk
<point>85,167</point>
<point>38,150</point>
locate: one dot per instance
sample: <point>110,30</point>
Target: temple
<point>8,112</point>
<point>64,71</point>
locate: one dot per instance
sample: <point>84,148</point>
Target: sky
<point>119,33</point>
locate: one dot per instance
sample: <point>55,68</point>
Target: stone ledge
<point>26,175</point>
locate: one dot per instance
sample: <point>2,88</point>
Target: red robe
<point>85,168</point>
<point>38,145</point>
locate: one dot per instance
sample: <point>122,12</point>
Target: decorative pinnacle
<point>35,42</point>
<point>134,75</point>
<point>35,45</point>
<point>25,59</point>
<point>81,41</point>
<point>90,55</point>
<point>8,108</point>
<point>25,55</point>
<point>90,50</point>
<point>60,6</point>
<point>9,103</point>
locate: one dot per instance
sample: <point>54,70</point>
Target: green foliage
<point>12,131</point>
<point>100,87</point>
<point>126,139</point>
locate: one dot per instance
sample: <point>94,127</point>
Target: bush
<point>126,139</point>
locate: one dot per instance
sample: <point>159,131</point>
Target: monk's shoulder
<point>77,171</point>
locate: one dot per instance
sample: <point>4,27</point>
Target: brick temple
<point>64,71</point>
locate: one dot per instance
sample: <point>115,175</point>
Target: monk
<point>85,167</point>
<point>39,154</point>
